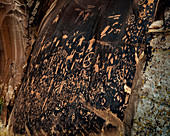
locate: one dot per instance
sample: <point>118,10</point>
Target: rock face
<point>13,23</point>
<point>84,73</point>
<point>17,35</point>
<point>152,116</point>
<point>84,67</point>
<point>152,112</point>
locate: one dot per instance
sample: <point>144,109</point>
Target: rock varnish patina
<point>84,68</point>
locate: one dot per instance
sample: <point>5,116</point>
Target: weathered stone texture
<point>82,68</point>
<point>152,116</point>
<point>19,22</point>
<point>85,69</point>
<point>13,23</point>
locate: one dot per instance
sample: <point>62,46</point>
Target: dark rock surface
<point>81,73</point>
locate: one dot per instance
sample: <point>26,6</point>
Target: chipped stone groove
<point>13,24</point>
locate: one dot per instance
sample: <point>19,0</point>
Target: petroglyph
<point>84,53</point>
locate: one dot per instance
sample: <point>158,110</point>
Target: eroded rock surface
<point>19,22</point>
<point>84,68</point>
<point>152,115</point>
<point>13,23</point>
